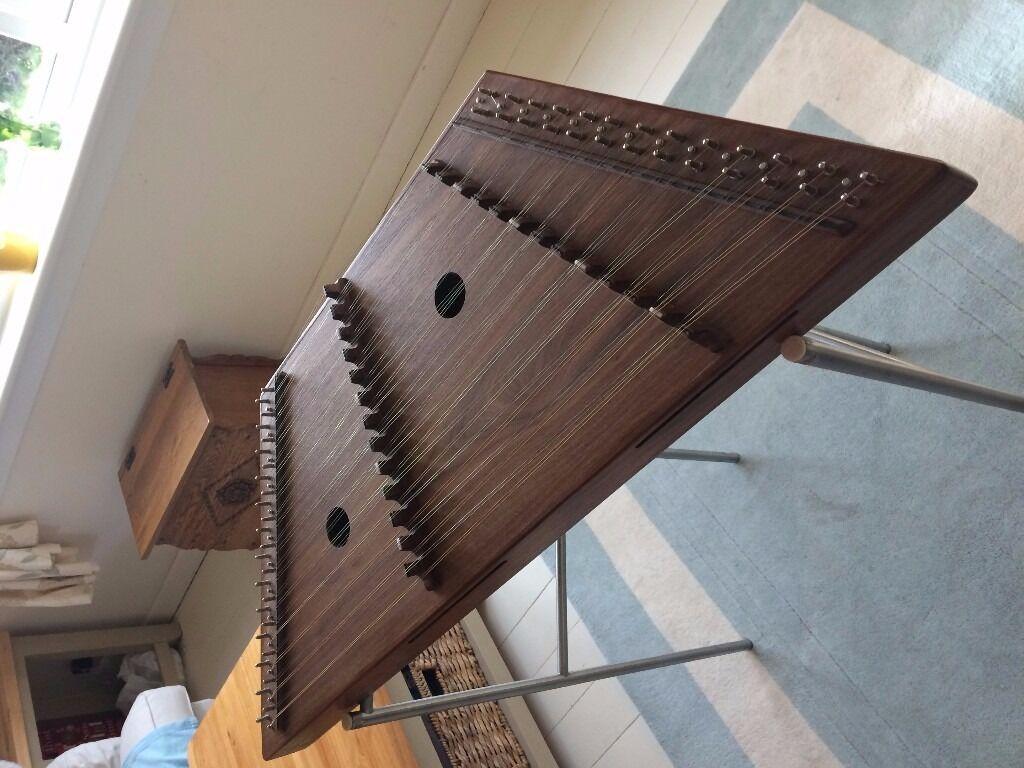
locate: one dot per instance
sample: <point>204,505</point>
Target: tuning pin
<point>662,155</point>
<point>827,169</point>
<point>465,187</point>
<point>564,252</point>
<point>394,490</point>
<point>336,289</point>
<point>402,517</point>
<point>380,443</point>
<point>483,200</point>
<point>745,151</point>
<point>502,213</point>
<point>374,420</point>
<point>709,143</point>
<point>589,269</point>
<point>410,542</point>
<point>544,237</point>
<point>418,569</point>
<point>360,376</point>
<point>869,178</point>
<point>619,286</point>
<point>433,167</point>
<point>645,302</point>
<point>523,224</point>
<point>693,165</point>
<point>808,189</point>
<point>782,158</point>
<point>347,332</point>
<point>339,311</point>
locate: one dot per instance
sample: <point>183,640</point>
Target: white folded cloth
<point>39,575</point>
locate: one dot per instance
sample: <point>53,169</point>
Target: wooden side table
<point>229,736</point>
<point>188,477</point>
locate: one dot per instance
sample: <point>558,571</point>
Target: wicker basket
<point>472,737</point>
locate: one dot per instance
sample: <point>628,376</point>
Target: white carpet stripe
<point>891,101</point>
<point>760,716</point>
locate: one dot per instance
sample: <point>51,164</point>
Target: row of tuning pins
<point>266,554</point>
<point>715,341</point>
<point>384,425</point>
<point>668,145</point>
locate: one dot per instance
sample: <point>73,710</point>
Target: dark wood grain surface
<point>540,397</point>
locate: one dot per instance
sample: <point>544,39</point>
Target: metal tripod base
<point>367,714</point>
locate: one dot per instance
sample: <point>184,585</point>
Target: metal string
<point>717,213</point>
<point>633,368</point>
<point>590,291</point>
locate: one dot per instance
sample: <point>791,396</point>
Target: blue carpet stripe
<point>973,43</point>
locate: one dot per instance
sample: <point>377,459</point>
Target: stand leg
<point>684,454</point>
<point>563,606</point>
<point>878,346</point>
<point>858,361</point>
<point>432,704</point>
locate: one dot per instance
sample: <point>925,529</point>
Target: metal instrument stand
<point>366,714</point>
<point>821,348</point>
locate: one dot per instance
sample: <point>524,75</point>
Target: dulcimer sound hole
<point>449,295</point>
<point>338,527</point>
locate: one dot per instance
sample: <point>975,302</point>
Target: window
<point>54,55</point>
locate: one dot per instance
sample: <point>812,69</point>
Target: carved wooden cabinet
<point>188,473</point>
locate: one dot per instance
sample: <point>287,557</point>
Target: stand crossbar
<point>835,353</point>
<point>367,714</point>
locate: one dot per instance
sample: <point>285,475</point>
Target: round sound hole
<point>449,295</point>
<point>338,527</point>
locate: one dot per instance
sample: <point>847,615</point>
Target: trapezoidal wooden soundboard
<point>568,283</point>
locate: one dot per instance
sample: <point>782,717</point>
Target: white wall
<point>257,133</point>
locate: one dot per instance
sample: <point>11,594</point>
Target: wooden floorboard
<point>230,738</point>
